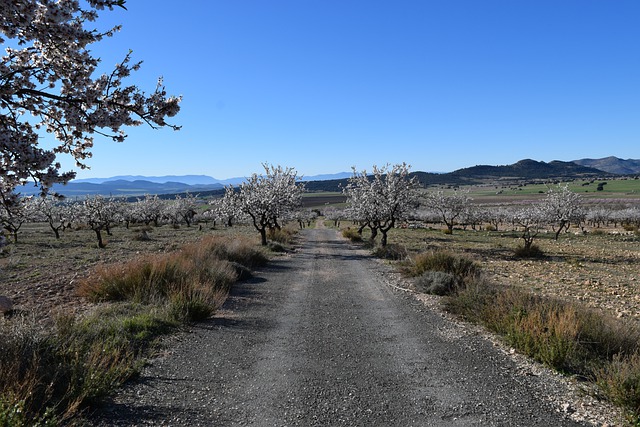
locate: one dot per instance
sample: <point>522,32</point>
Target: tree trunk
<point>374,234</point>
<point>383,240</point>
<point>263,236</point>
<point>101,244</point>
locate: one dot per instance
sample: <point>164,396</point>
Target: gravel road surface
<point>319,339</point>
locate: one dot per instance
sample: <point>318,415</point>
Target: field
<point>601,270</point>
<point>498,193</point>
<point>40,273</point>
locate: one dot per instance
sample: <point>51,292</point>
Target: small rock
<point>6,305</point>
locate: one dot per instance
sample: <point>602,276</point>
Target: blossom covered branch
<point>47,84</point>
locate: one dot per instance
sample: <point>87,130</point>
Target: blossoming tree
<point>381,200</point>
<point>48,85</point>
<point>267,198</point>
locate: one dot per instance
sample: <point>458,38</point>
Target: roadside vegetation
<point>50,372</point>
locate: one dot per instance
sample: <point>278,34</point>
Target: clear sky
<point>324,85</point>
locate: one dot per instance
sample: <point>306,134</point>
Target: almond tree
<point>14,214</point>
<point>266,198</point>
<point>561,207</point>
<point>382,199</point>
<point>185,207</point>
<point>100,214</point>
<point>531,219</point>
<point>451,207</point>
<point>48,85</point>
<point>53,211</point>
<point>148,210</point>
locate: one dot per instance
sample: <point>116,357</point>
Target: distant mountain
<point>327,177</point>
<point>524,170</point>
<point>123,187</point>
<point>612,165</point>
<point>184,179</point>
<point>137,185</point>
<point>528,169</point>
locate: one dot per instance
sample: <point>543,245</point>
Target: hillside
<point>524,170</point>
<point>612,165</point>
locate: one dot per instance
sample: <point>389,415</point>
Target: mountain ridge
<point>523,170</point>
<point>612,164</point>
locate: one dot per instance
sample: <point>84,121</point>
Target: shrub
<point>393,252</point>
<point>436,282</point>
<point>445,262</point>
<point>620,381</point>
<point>281,235</point>
<point>455,272</point>
<point>532,251</point>
<point>352,235</point>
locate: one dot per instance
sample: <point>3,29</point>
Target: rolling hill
<point>612,165</point>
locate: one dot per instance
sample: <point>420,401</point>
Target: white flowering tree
<point>148,210</point>
<point>185,208</point>
<point>49,86</point>
<point>54,211</point>
<point>450,206</point>
<point>531,220</point>
<point>561,207</point>
<point>381,199</point>
<point>225,208</point>
<point>100,214</point>
<point>267,198</point>
<point>14,217</point>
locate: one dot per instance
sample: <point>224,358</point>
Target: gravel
<point>319,338</point>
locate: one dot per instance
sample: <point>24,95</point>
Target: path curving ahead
<point>319,339</point>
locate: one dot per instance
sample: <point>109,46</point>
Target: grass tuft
<point>352,235</point>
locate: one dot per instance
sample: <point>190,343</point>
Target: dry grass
<point>127,295</point>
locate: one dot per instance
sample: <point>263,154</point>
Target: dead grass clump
<point>191,279</point>
<point>352,235</point>
<point>393,252</point>
<point>281,235</point>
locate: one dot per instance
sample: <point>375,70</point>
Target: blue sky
<point>323,85</point>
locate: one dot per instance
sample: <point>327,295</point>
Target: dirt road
<point>319,339</point>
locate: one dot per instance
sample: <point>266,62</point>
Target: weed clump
<point>443,273</point>
<point>352,235</point>
<point>393,252</point>
<point>436,283</point>
<point>532,251</point>
<point>48,376</point>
